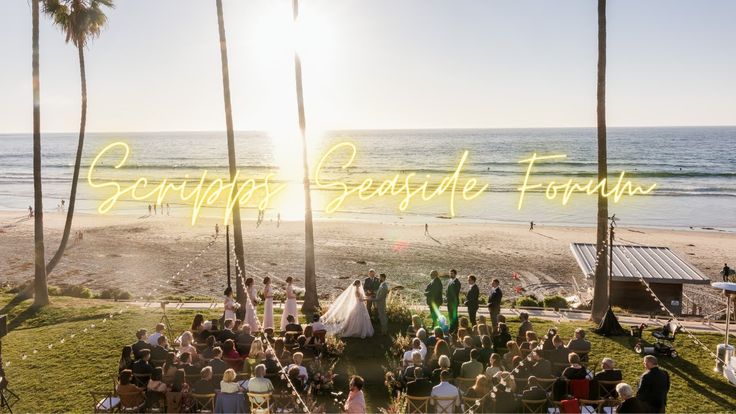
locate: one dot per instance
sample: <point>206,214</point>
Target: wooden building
<point>664,270</point>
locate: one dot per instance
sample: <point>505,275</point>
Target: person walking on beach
<point>278,220</point>
<point>453,299</point>
<point>494,303</point>
<point>726,272</point>
<point>531,225</point>
<point>426,229</point>
<point>149,209</point>
<point>217,229</point>
<point>63,206</point>
<point>471,299</point>
<point>168,209</point>
<point>30,211</point>
<point>433,293</point>
<point>154,209</point>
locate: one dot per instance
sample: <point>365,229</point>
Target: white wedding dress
<point>348,315</point>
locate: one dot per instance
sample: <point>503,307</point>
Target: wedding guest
<point>218,365</point>
<point>244,340</point>
<point>502,337</point>
<point>580,344</point>
<point>471,299</point>
<point>534,392</point>
<point>298,357</point>
<point>160,351</point>
<point>654,385</point>
<point>126,358</point>
<point>198,324</point>
<point>228,384</point>
<point>512,351</point>
<point>156,383</point>
<point>258,384</point>
<point>525,326</point>
<point>444,364</point>
<point>609,373</point>
<point>185,363</point>
<point>170,368</point>
<point>505,400</point>
<point>480,390</point>
<point>486,349</point>
<point>631,404</point>
<point>541,368</point>
<point>416,324</point>
<point>204,384</point>
<point>187,345</point>
<point>209,351</point>
<point>437,335</point>
<point>128,392</point>
<point>227,331</point>
<point>446,390</point>
<point>461,355</point>
<point>472,368</point>
<point>575,370</point>
<point>267,304</point>
<point>494,365</point>
<point>140,344</point>
<point>153,339</point>
<point>440,348</point>
<point>292,325</point>
<point>317,325</point>
<point>142,369</point>
<point>180,382</point>
<point>416,346</point>
<point>355,403</point>
<point>290,307</point>
<point>420,386</point>
<point>256,351</point>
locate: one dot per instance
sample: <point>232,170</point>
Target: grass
<point>60,378</point>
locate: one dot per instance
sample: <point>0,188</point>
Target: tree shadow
<point>695,379</point>
<point>22,296</point>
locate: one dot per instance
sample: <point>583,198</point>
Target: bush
<point>398,311</point>
<point>54,290</point>
<point>115,293</point>
<point>76,291</point>
<point>527,301</point>
<point>556,302</point>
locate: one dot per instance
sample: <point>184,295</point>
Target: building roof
<point>654,264</point>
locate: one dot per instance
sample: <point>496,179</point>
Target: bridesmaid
<point>290,305</point>
<point>268,304</point>
<point>251,313</point>
<point>230,305</point>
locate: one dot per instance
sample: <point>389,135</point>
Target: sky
<point>378,64</point>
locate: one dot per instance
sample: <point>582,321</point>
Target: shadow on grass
<point>21,297</point>
<point>699,382</point>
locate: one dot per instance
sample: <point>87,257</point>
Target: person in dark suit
<point>608,374</point>
<point>433,293</point>
<point>159,352</point>
<point>370,286</point>
<point>421,386</point>
<point>244,340</point>
<point>142,368</point>
<point>141,343</point>
<point>654,385</point>
<point>533,391</point>
<point>218,365</point>
<point>494,303</point>
<point>471,299</point>
<point>227,331</point>
<point>453,299</point>
<point>541,368</point>
<point>461,355</point>
<point>630,404</point>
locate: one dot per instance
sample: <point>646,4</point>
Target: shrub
<point>54,290</point>
<point>398,310</point>
<point>115,293</point>
<point>76,291</point>
<point>527,301</point>
<point>556,302</point>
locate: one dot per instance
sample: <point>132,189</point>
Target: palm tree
<point>311,302</point>
<point>600,294</point>
<point>41,292</point>
<point>80,21</point>
<point>237,229</point>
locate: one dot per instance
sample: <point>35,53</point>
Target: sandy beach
<point>140,254</point>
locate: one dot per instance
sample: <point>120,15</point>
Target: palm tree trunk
<point>237,229</point>
<point>311,301</point>
<point>77,166</point>
<point>600,294</point>
<point>40,288</point>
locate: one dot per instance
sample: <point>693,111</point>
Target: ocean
<point>692,167</point>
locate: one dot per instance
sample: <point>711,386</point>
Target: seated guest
<point>209,351</point>
<point>440,348</point>
<point>502,337</point>
<point>298,358</point>
<point>256,353</point>
<point>160,350</point>
<point>204,384</point>
<point>153,339</point>
<point>218,365</point>
<point>472,368</point>
<point>170,367</point>
<point>292,325</point>
<point>476,337</point>
<point>416,362</point>
<point>128,392</point>
<point>580,344</point>
<point>486,349</point>
<point>461,355</point>
<point>416,346</point>
<point>575,370</point>
<point>446,390</point>
<point>258,384</point>
<point>548,345</point>
<point>272,367</point>
<point>512,351</point>
<point>540,367</point>
<point>609,372</point>
<point>558,356</point>
<point>533,391</point>
<point>142,369</point>
<point>197,324</point>
<point>317,326</point>
<point>465,323</point>
<point>156,383</point>
<point>227,331</point>
<point>187,345</point>
<point>494,366</point>
<point>416,324</point>
<point>505,400</point>
<point>437,335</point>
<point>630,404</point>
<point>244,340</point>
<point>185,363</point>
<point>301,346</point>
<point>525,326</point>
<point>126,358</point>
<point>422,335</point>
<point>180,382</point>
<point>228,384</point>
<point>531,337</point>
<point>480,391</point>
<point>229,351</point>
<point>419,386</point>
<point>140,344</point>
<point>444,365</point>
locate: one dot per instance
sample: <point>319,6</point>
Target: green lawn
<point>58,379</point>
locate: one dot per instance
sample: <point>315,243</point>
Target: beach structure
<point>664,270</point>
<point>725,351</point>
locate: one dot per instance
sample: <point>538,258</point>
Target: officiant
<point>433,293</point>
<point>370,286</point>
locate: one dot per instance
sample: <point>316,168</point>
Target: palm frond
<point>79,20</point>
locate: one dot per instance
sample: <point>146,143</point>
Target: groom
<point>380,303</point>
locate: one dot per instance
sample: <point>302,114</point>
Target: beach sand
<point>141,254</point>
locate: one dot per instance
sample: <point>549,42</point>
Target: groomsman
<point>433,293</point>
<point>380,303</point>
<point>471,299</point>
<point>453,299</point>
<point>370,286</point>
<point>494,302</point>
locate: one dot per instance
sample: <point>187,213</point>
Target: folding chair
<point>591,406</point>
<point>417,405</point>
<point>123,408</point>
<point>104,402</point>
<point>474,402</point>
<point>156,402</point>
<point>445,405</point>
<point>607,389</point>
<point>203,403</point>
<point>546,383</point>
<point>534,406</point>
<point>259,403</point>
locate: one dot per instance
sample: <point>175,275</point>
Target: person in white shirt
<point>228,384</point>
<point>298,357</point>
<point>422,335</point>
<point>416,345</point>
<point>153,339</point>
<point>317,325</point>
<point>259,384</point>
<point>446,390</point>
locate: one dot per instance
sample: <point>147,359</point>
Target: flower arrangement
<point>334,346</point>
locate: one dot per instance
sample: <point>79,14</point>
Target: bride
<point>348,315</point>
